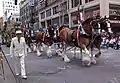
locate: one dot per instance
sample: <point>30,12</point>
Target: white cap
<point>18,32</point>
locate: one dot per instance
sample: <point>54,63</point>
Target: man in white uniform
<point>18,51</point>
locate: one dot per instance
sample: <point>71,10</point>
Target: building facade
<point>24,13</point>
<point>65,11</point>
<point>29,13</point>
<point>10,9</point>
<point>59,12</point>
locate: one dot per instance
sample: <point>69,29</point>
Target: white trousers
<point>20,65</point>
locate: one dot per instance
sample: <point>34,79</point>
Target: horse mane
<point>87,20</point>
<point>61,27</point>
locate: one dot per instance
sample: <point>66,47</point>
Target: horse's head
<point>105,24</point>
<point>50,31</point>
<point>92,25</point>
<point>96,26</point>
<point>87,25</point>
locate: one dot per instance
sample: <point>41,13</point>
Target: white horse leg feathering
<point>66,59</point>
<point>38,51</point>
<point>49,52</point>
<point>86,57</point>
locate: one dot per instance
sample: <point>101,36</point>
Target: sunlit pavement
<point>53,70</point>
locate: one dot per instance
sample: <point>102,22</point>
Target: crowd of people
<point>110,40</point>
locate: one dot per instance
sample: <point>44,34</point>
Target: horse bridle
<point>93,28</point>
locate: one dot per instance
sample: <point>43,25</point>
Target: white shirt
<point>17,48</point>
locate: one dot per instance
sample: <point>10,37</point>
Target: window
<point>91,0</point>
<point>48,13</point>
<point>42,15</point>
<point>55,10</point>
<point>86,1</point>
<point>76,3</point>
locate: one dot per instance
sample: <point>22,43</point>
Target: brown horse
<point>74,38</point>
<point>45,38</point>
<point>92,27</point>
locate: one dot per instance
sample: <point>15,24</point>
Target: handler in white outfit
<point>18,51</point>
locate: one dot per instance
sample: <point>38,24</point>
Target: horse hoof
<point>67,60</point>
<point>97,56</point>
<point>41,50</point>
<point>49,56</point>
<point>38,54</point>
<point>94,62</point>
<point>86,63</point>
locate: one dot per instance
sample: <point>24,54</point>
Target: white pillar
<point>70,4</point>
<point>104,8</point>
<point>40,26</point>
<point>45,20</point>
<point>83,2</point>
<point>83,12</point>
<point>46,24</point>
<point>69,13</point>
<point>52,16</point>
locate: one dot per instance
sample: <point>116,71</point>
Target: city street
<point>74,22</point>
<point>54,70</point>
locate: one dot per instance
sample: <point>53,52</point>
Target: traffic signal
<point>15,2</point>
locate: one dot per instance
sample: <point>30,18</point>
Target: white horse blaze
<point>99,28</point>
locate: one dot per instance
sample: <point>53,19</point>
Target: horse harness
<point>45,35</point>
<point>72,36</point>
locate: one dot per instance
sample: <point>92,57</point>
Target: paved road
<point>54,70</point>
